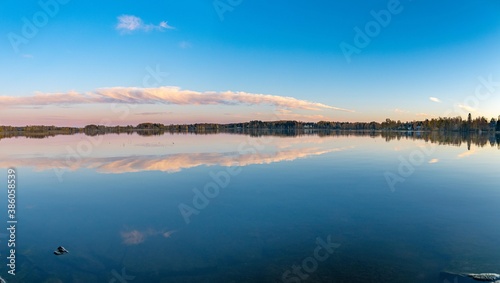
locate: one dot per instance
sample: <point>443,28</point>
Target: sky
<point>72,63</point>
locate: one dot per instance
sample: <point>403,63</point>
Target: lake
<point>309,207</point>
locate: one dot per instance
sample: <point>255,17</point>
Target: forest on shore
<point>441,124</point>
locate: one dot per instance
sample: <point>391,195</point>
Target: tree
<point>498,124</point>
<point>482,124</point>
<point>469,122</point>
<point>493,124</point>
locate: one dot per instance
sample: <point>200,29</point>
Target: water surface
<point>241,208</point>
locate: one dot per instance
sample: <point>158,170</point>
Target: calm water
<point>235,208</point>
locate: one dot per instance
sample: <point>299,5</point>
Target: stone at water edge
<point>60,251</point>
<point>449,277</point>
<point>484,276</point>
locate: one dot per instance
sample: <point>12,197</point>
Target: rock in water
<point>60,251</point>
<point>448,277</point>
<point>486,277</point>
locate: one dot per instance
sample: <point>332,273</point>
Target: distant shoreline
<point>457,124</point>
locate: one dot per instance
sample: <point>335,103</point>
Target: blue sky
<point>238,60</point>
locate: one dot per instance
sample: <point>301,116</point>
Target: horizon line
<point>269,121</point>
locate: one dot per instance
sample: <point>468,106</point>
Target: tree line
<point>441,124</point>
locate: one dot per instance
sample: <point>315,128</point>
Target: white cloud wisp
<point>129,23</point>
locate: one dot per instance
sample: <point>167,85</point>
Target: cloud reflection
<point>133,237</point>
<point>467,153</point>
<point>165,163</point>
<point>136,237</point>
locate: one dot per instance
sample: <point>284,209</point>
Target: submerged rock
<point>448,277</point>
<point>485,276</point>
<point>60,251</point>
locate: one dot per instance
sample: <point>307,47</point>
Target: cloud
<point>400,111</point>
<point>466,108</point>
<point>284,111</point>
<point>302,117</point>
<point>128,23</point>
<point>27,107</point>
<point>433,161</point>
<point>422,115</point>
<point>165,95</point>
<point>135,237</point>
<point>184,44</point>
<point>435,99</point>
<point>154,113</point>
<point>165,25</point>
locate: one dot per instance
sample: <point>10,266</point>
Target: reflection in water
<point>444,138</point>
<point>166,163</point>
<point>467,153</point>
<point>283,149</point>
<point>135,237</point>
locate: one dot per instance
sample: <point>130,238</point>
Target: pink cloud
<point>166,95</point>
